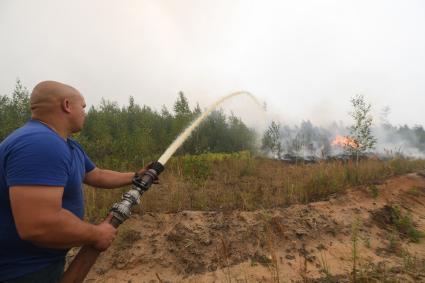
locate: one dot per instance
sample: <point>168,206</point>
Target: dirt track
<point>310,243</point>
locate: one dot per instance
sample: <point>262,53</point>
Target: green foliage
<point>351,175</point>
<point>212,157</point>
<point>373,190</point>
<point>196,168</point>
<point>271,140</point>
<point>14,110</point>
<point>219,133</point>
<point>181,106</point>
<point>404,224</point>
<point>248,169</point>
<point>130,136</point>
<point>361,130</point>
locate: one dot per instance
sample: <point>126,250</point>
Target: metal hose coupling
<point>121,211</point>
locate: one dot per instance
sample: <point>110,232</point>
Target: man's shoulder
<point>74,144</point>
<point>35,156</point>
<point>33,137</point>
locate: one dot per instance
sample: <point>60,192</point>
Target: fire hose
<point>121,211</point>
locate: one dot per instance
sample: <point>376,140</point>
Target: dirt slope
<point>301,243</point>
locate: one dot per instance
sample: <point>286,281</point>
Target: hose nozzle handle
<point>144,181</point>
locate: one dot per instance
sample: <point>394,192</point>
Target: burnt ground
<point>368,234</point>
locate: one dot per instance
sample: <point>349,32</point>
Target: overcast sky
<point>305,59</point>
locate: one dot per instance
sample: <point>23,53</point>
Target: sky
<point>305,59</point>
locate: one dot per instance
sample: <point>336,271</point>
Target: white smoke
<point>306,139</point>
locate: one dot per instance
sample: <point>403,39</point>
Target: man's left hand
<point>144,169</point>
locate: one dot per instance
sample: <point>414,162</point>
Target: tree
<point>361,130</point>
<point>419,140</point>
<point>121,137</point>
<point>14,111</point>
<point>181,106</point>
<point>325,146</point>
<point>307,135</point>
<point>271,140</point>
<point>197,110</point>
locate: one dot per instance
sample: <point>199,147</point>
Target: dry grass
<point>226,182</point>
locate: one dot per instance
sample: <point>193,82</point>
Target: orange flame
<point>345,141</point>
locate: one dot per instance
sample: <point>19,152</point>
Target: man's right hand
<point>106,233</point>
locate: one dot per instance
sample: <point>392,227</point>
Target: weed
<point>366,241</point>
<point>394,244</point>
<point>261,259</point>
<point>126,238</point>
<point>404,224</point>
<point>409,261</point>
<point>248,169</point>
<point>373,190</point>
<point>414,191</point>
<point>412,264</point>
<point>354,247</point>
<point>324,268</point>
<point>196,169</point>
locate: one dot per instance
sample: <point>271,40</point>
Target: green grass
<point>240,181</point>
<point>373,190</point>
<point>404,224</point>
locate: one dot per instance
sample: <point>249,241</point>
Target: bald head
<point>47,96</point>
<point>59,105</point>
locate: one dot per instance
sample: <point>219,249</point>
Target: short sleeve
<point>89,165</point>
<point>38,161</point>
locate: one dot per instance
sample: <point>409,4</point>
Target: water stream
<point>186,133</point>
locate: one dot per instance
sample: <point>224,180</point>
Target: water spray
<point>186,133</point>
<point>121,211</point>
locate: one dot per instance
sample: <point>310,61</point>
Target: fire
<point>345,141</point>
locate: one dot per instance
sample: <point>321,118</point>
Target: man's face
<point>78,114</point>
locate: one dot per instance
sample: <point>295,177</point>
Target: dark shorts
<point>49,274</point>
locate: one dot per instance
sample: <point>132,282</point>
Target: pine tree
<point>181,106</point>
<point>14,111</point>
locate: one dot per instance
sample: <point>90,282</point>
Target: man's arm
<point>108,179</point>
<point>40,219</point>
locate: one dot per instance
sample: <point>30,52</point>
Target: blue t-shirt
<point>36,155</point>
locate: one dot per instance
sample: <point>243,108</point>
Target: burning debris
<point>295,159</point>
<point>345,142</point>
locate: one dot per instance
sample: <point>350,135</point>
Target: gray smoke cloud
<point>307,140</point>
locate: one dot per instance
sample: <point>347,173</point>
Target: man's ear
<point>66,105</point>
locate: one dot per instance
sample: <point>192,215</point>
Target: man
<point>41,197</point>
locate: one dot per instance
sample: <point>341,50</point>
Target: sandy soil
<point>300,243</point>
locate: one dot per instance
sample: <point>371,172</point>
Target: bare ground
<point>318,242</point>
